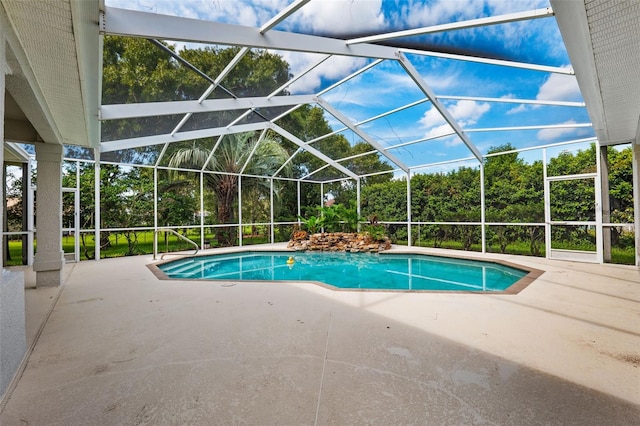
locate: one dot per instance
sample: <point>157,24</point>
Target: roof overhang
<point>54,57</point>
<point>603,43</point>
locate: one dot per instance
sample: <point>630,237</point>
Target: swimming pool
<point>351,270</point>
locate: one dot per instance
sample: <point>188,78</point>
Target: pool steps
<point>182,268</point>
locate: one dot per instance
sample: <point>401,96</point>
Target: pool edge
<point>513,289</point>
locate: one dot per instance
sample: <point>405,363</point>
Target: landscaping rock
<point>338,241</point>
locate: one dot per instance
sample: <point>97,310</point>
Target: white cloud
<point>331,17</point>
<point>444,81</point>
<point>413,15</point>
<point>560,87</point>
<point>334,69</point>
<point>452,141</point>
<point>248,13</point>
<point>500,7</point>
<point>518,109</point>
<point>465,112</point>
<point>441,130</point>
<point>469,112</point>
<point>439,12</point>
<point>431,118</point>
<point>522,39</point>
<point>553,134</point>
<point>374,88</point>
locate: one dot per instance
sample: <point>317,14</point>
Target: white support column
<point>3,70</point>
<point>30,213</point>
<point>605,201</point>
<point>547,206</point>
<point>271,212</point>
<point>97,179</point>
<point>409,215</point>
<point>358,211</point>
<point>26,248</point>
<point>598,183</point>
<point>202,209</point>
<point>76,216</point>
<point>483,230</point>
<point>240,210</point>
<point>155,213</point>
<point>321,202</point>
<point>49,258</point>
<point>636,195</point>
<point>299,209</point>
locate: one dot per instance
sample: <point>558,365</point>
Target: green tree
<point>136,207</point>
<point>388,201</point>
<point>621,184</point>
<point>177,202</point>
<point>228,160</point>
<point>503,179</point>
<point>126,201</point>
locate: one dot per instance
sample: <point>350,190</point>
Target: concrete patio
<point>117,346</point>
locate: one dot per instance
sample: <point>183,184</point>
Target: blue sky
<point>386,86</point>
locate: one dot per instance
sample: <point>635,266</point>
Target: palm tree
<point>229,159</point>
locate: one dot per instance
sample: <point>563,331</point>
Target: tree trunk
<point>226,192</point>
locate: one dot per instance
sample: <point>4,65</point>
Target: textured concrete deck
<point>120,347</point>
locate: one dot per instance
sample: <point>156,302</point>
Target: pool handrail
<point>179,235</point>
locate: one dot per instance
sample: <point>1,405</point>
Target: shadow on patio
<point>121,347</point>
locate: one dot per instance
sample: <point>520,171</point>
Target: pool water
<point>350,270</point>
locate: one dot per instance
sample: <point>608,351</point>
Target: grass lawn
<point>619,255</point>
<point>119,246</point>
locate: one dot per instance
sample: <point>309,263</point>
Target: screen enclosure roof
<point>413,84</point>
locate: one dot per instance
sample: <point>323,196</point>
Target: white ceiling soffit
<point>603,41</point>
<point>57,48</point>
<point>14,153</point>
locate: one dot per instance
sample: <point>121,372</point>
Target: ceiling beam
<point>536,127</point>
<point>253,151</point>
<point>152,109</point>
<point>413,142</point>
<point>230,66</point>
<point>297,151</point>
<point>153,25</point>
<point>413,73</point>
<point>489,61</point>
<point>472,23</point>
<point>514,101</point>
<point>354,74</point>
<point>299,76</point>
<point>311,150</point>
<point>284,14</point>
<point>180,136</point>
<point>344,120</point>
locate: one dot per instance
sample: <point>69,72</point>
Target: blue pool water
<point>350,270</point>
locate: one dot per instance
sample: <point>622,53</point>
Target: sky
<point>387,86</point>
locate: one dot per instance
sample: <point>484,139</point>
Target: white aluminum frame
<point>154,26</point>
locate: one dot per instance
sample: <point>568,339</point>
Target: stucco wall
<point>13,343</point>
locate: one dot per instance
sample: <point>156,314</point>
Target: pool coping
<point>513,289</point>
